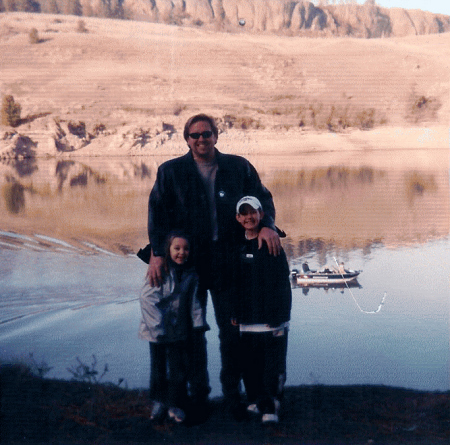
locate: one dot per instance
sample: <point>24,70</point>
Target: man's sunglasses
<point>205,134</point>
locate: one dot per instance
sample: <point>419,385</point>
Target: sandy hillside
<point>127,87</point>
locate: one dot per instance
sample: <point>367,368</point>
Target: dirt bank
<point>37,410</point>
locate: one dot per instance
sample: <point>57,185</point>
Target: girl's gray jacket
<point>171,310</point>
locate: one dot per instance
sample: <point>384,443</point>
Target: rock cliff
<point>289,17</point>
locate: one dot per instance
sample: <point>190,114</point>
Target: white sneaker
<point>157,410</point>
<point>176,414</point>
<point>272,417</point>
<point>253,408</point>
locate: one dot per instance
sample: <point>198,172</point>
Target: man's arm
<point>155,270</point>
<point>158,227</point>
<point>160,211</point>
<point>271,238</point>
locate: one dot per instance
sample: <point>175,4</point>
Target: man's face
<point>203,147</point>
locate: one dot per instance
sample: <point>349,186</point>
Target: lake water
<point>69,277</point>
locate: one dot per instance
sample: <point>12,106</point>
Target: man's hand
<point>155,270</point>
<point>271,238</point>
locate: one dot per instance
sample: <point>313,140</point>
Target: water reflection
<point>14,195</point>
<point>341,287</point>
<point>69,229</point>
<point>325,210</point>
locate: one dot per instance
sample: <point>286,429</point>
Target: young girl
<point>169,314</point>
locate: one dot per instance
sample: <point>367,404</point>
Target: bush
<point>81,26</point>
<point>338,118</point>
<point>365,119</point>
<point>242,123</point>
<point>10,112</point>
<point>422,108</point>
<point>34,36</point>
<point>99,129</point>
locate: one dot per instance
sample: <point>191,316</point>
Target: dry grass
<point>114,75</point>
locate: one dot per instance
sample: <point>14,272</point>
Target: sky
<point>436,6</point>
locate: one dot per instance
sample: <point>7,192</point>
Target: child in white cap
<point>262,310</point>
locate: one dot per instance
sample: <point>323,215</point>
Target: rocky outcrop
<point>14,145</point>
<point>70,136</point>
<point>289,17</point>
<point>60,137</point>
<point>18,152</point>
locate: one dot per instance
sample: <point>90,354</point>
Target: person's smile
<point>202,141</point>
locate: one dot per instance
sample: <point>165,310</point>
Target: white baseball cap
<point>251,201</point>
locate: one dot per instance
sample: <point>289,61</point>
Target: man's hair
<point>200,118</point>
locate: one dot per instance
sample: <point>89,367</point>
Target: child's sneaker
<point>272,417</point>
<point>253,408</point>
<point>157,411</point>
<point>176,414</point>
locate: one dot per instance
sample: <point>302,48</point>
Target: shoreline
<point>36,409</point>
<point>19,144</point>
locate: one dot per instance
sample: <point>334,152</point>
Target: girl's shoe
<point>157,411</point>
<point>253,408</point>
<point>176,414</point>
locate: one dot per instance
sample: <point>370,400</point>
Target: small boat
<point>326,276</point>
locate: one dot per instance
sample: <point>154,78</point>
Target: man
<point>197,193</point>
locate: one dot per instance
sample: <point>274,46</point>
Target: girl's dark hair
<point>200,118</point>
<point>171,236</point>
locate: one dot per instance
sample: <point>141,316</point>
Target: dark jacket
<point>179,200</point>
<point>263,294</point>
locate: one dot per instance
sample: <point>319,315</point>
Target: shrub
<point>365,119</point>
<point>81,26</point>
<point>338,118</point>
<point>422,108</point>
<point>10,112</point>
<point>86,373</point>
<point>39,369</point>
<point>242,123</point>
<point>99,129</point>
<point>34,36</point>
